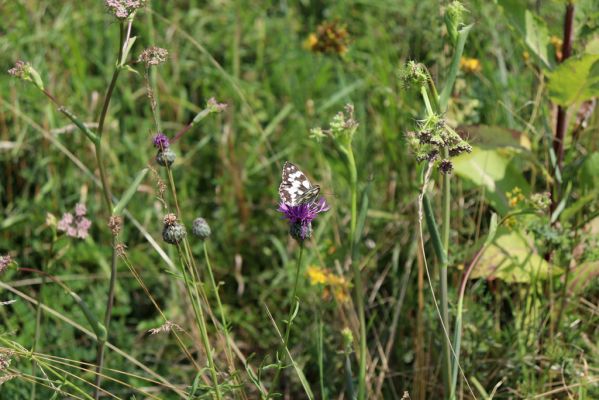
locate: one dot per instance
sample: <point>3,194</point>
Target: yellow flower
<point>470,65</point>
<point>341,294</point>
<point>515,197</point>
<point>526,56</point>
<point>316,275</point>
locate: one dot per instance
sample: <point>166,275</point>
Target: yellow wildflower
<point>526,56</point>
<point>316,275</point>
<point>470,65</point>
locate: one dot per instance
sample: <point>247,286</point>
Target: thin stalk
<point>123,38</point>
<point>200,319</point>
<point>275,381</point>
<point>359,291</point>
<point>446,367</point>
<point>446,221</point>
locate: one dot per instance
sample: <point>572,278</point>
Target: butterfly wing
<point>295,186</point>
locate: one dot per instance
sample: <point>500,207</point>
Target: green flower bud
<point>165,157</point>
<point>174,233</point>
<point>454,18</point>
<point>201,228</point>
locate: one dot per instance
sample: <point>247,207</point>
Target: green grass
<point>254,58</point>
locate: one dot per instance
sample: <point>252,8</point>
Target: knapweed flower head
<point>153,56</point>
<point>5,261</point>
<point>23,70</point>
<point>432,138</point>
<point>300,217</point>
<point>123,9</point>
<point>77,225</point>
<point>160,141</point>
<point>331,37</point>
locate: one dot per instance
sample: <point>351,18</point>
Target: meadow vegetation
<point>147,251</point>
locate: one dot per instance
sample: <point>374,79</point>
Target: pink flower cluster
<point>77,225</point>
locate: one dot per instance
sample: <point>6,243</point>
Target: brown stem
<point>561,124</point>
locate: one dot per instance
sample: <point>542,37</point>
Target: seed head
<point>153,56</point>
<point>445,166</point>
<point>169,219</point>
<point>201,228</point>
<point>123,9</point>
<point>115,223</point>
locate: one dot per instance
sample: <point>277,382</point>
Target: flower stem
<point>108,204</point>
<point>446,367</point>
<point>359,291</point>
<point>292,308</point>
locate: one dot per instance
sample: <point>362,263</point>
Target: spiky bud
<point>174,234</point>
<point>165,157</point>
<point>201,229</point>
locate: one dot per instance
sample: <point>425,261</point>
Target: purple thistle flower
<point>300,217</point>
<point>161,141</point>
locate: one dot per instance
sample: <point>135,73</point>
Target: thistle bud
<point>201,229</point>
<point>165,157</point>
<point>174,234</point>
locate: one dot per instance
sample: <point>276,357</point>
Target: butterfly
<point>295,188</point>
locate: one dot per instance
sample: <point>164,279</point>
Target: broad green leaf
<point>531,29</point>
<point>512,258</point>
<point>495,170</point>
<point>488,136</point>
<point>576,79</point>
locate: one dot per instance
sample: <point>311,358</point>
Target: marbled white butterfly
<point>295,188</point>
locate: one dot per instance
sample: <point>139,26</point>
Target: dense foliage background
<point>530,311</point>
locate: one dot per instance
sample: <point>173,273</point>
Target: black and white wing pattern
<point>295,188</point>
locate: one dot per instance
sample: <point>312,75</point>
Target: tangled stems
<point>292,310</point>
<point>229,351</point>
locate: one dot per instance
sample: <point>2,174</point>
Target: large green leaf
<point>512,258</point>
<point>489,136</point>
<point>576,79</point>
<point>531,29</point>
<point>495,170</point>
